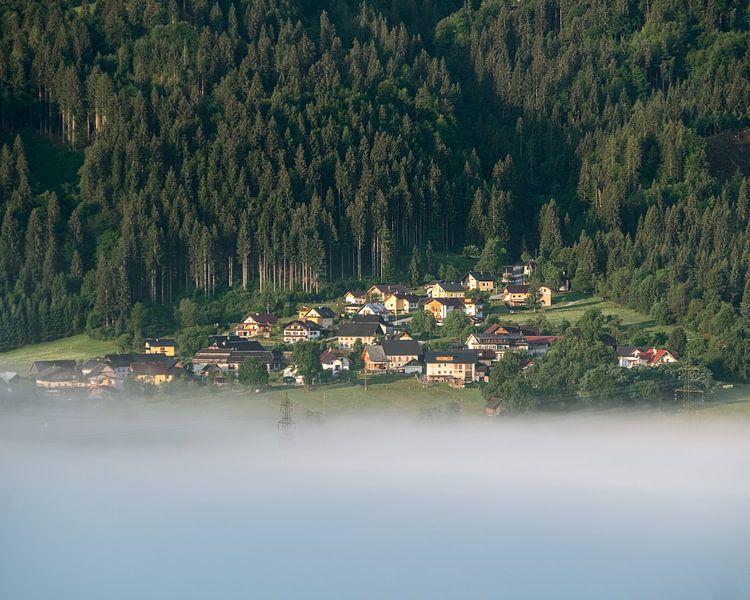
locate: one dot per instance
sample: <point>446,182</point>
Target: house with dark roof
<point>455,367</point>
<point>447,289</point>
<point>366,333</point>
<point>481,281</point>
<point>516,295</point>
<point>399,303</point>
<point>39,366</point>
<point>381,290</point>
<point>229,360</point>
<point>320,315</point>
<point>440,307</point>
<point>165,346</point>
<point>392,355</point>
<point>355,297</point>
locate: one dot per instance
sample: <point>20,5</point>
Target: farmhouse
<point>301,331</point>
<point>256,325</point>
<point>393,356</point>
<point>40,366</point>
<point>480,281</point>
<point>499,343</point>
<point>355,297</point>
<point>440,307</point>
<point>629,357</point>
<point>333,360</point>
<point>228,360</point>
<point>447,289</point>
<point>382,290</point>
<point>517,295</point>
<point>366,333</point>
<point>400,303</point>
<point>165,346</point>
<point>320,315</point>
<point>455,367</point>
<point>156,373</point>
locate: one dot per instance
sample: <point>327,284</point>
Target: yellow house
<point>479,280</point>
<point>165,346</point>
<point>399,303</point>
<point>517,295</point>
<point>155,373</point>
<point>447,289</point>
<point>440,307</point>
<point>320,315</point>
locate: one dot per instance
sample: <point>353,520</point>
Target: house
<point>320,315</point>
<point>480,281</point>
<point>59,377</point>
<point>413,367</point>
<point>386,326</point>
<point>516,295</point>
<point>228,360</point>
<point>355,297</point>
<point>629,357</point>
<point>366,333</point>
<point>375,308</point>
<point>399,353</point>
<point>121,363</point>
<point>233,342</point>
<point>8,379</point>
<point>256,325</point>
<point>381,290</point>
<point>88,366</point>
<point>301,331</point>
<point>400,303</point>
<point>103,376</point>
<point>374,358</point>
<point>455,367</point>
<point>498,343</point>
<point>474,307</point>
<point>447,289</point>
<point>39,366</point>
<point>529,267</point>
<point>429,285</point>
<point>512,329</point>
<point>440,307</point>
<point>540,344</point>
<point>156,373</point>
<point>165,346</point>
<point>351,309</point>
<point>333,360</point>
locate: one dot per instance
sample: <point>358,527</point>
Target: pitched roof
<point>389,288</point>
<point>127,359</point>
<point>233,342</point>
<point>261,319</point>
<point>402,348</point>
<point>40,365</point>
<point>309,325</point>
<point>368,319</point>
<point>323,311</point>
<point>450,357</point>
<point>480,275</point>
<point>455,302</point>
<point>516,289</point>
<point>330,355</point>
<point>165,342</point>
<point>376,354</point>
<point>451,286</point>
<point>357,293</point>
<point>413,298</point>
<point>360,330</point>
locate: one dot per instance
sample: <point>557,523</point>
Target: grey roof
<point>402,348</point>
<point>455,302</point>
<point>125,360</point>
<point>451,356</point>
<point>516,289</point>
<point>480,275</point>
<point>390,288</point>
<point>324,311</point>
<point>360,329</point>
<point>233,342</point>
<point>41,365</point>
<point>160,342</point>
<point>310,325</point>
<point>368,319</point>
<point>376,354</point>
<point>451,286</point>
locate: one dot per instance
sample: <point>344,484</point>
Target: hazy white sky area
<point>188,506</point>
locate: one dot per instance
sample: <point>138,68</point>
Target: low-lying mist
<point>176,503</point>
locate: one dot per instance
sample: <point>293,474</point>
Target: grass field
<point>571,306</point>
<point>77,347</point>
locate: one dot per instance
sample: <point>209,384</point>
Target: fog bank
<point>178,504</point>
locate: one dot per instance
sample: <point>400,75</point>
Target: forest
<point>254,152</point>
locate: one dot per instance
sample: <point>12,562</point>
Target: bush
<point>252,372</point>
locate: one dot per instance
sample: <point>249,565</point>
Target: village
<point>364,333</point>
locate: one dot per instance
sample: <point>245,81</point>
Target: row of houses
<point>105,374</point>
